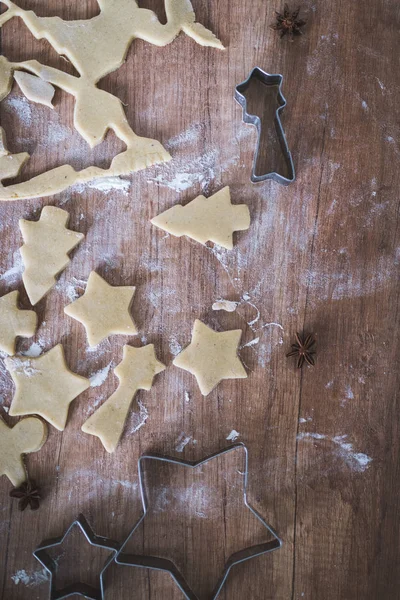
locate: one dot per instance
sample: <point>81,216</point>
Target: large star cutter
<point>268,80</point>
<point>163,564</point>
<point>79,588</point>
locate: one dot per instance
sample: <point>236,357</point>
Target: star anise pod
<point>288,22</point>
<point>28,494</point>
<point>303,348</point>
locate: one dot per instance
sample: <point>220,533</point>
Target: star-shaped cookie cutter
<point>79,588</point>
<point>163,564</point>
<point>268,80</point>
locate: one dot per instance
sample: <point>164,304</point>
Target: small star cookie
<point>103,310</point>
<point>211,356</point>
<point>27,436</point>
<point>136,372</point>
<point>44,386</point>
<point>14,322</point>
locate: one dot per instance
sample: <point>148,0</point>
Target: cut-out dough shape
<point>211,356</point>
<point>211,219</point>
<point>10,164</point>
<point>14,322</point>
<point>136,372</point>
<point>25,437</point>
<point>97,47</point>
<point>34,88</point>
<point>103,310</point>
<point>44,386</point>
<point>45,252</point>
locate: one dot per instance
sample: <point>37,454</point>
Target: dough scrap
<point>10,164</point>
<point>211,356</point>
<point>25,437</point>
<point>44,386</point>
<point>95,47</point>
<point>14,322</point>
<point>103,310</point>
<point>45,252</point>
<point>34,88</point>
<point>206,219</point>
<point>136,372</point>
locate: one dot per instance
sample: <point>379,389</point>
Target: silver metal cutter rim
<point>162,564</point>
<point>267,79</point>
<point>82,589</point>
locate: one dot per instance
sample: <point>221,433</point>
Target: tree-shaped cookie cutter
<point>78,588</point>
<point>268,80</point>
<point>163,564</point>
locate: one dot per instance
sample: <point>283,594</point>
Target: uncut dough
<point>14,322</point>
<point>45,252</point>
<point>95,47</point>
<point>103,310</point>
<point>44,386</point>
<point>27,436</point>
<point>136,372</point>
<point>211,356</point>
<point>211,219</point>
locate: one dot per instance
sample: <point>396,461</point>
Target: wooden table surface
<point>321,255</point>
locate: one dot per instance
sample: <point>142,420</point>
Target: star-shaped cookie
<point>44,386</point>
<point>212,356</point>
<point>103,310</point>
<point>136,372</point>
<point>14,322</point>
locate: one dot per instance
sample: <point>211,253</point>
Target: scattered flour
<point>182,442</point>
<point>21,107</point>
<point>32,579</point>
<point>233,436</point>
<point>188,136</point>
<point>14,273</point>
<point>305,420</point>
<point>105,185</point>
<point>23,366</point>
<point>174,346</point>
<point>187,396</point>
<point>253,342</point>
<point>357,461</point>
<point>139,418</point>
<point>33,351</point>
<point>98,378</point>
<point>183,173</point>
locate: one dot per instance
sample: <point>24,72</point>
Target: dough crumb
<point>233,436</point>
<point>226,305</point>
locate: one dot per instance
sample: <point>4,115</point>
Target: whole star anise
<point>303,349</point>
<point>28,494</point>
<point>288,22</point>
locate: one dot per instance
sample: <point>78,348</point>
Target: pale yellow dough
<point>45,252</point>
<point>95,47</point>
<point>14,322</point>
<point>212,356</point>
<point>135,372</point>
<point>211,219</point>
<point>25,437</point>
<point>34,88</point>
<point>103,310</point>
<point>44,386</point>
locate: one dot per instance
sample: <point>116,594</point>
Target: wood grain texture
<point>321,255</point>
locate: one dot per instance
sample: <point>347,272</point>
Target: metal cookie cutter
<point>79,588</point>
<point>162,564</point>
<point>268,80</point>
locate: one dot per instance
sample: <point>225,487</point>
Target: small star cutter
<point>167,565</point>
<point>78,588</point>
<point>268,80</point>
